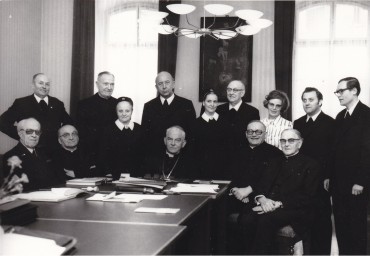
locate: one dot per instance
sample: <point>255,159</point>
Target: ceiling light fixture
<point>249,22</point>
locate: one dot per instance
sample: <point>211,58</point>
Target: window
<point>331,42</point>
<point>127,46</point>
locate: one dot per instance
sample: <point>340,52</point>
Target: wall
<point>35,36</point>
<point>263,75</point>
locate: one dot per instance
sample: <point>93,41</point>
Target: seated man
<point>34,163</point>
<point>175,162</point>
<point>70,160</point>
<point>285,195</point>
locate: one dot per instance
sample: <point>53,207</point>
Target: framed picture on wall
<point>222,61</point>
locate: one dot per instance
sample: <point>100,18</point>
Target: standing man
<point>349,181</point>
<point>97,111</point>
<point>47,110</point>
<point>237,114</point>
<point>166,110</point>
<point>317,130</point>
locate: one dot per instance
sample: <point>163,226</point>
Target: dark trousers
<point>350,217</point>
<point>321,229</point>
<point>259,230</point>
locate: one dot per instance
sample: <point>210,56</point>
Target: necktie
<point>347,116</point>
<point>310,122</point>
<point>34,153</point>
<point>43,106</point>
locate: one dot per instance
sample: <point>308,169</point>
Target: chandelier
<point>249,22</point>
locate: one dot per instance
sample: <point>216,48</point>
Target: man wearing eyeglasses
<point>34,163</point>
<point>248,165</point>
<point>350,176</point>
<point>48,110</point>
<point>164,111</point>
<point>237,114</point>
<point>71,160</point>
<point>317,129</point>
<point>285,195</point>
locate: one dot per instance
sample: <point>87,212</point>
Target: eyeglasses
<point>31,131</point>
<point>272,105</point>
<point>167,82</point>
<point>340,91</point>
<point>234,90</point>
<point>257,132</point>
<point>67,135</point>
<point>290,141</point>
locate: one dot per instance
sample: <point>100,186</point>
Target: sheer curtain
<point>127,46</point>
<point>331,42</point>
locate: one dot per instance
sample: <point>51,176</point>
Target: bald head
<point>165,84</point>
<point>235,91</point>
<point>68,137</point>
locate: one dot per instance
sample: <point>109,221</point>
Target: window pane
<point>314,23</point>
<point>148,33</point>
<point>350,22</point>
<point>123,28</point>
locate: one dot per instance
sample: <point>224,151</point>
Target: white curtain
<point>331,42</point>
<point>127,47</point>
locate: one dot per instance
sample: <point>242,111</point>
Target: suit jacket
<point>155,120</point>
<point>28,106</point>
<point>317,139</point>
<point>79,161</point>
<point>351,150</point>
<point>93,114</point>
<point>182,166</point>
<point>249,164</point>
<point>237,125</point>
<point>294,182</point>
<point>35,167</point>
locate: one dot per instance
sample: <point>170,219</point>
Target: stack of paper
<point>124,198</point>
<point>157,210</point>
<point>53,195</point>
<point>136,182</point>
<point>86,181</point>
<point>195,188</point>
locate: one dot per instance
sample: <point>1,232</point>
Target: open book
<point>53,195</point>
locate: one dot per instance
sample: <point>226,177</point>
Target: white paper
<point>195,188</point>
<point>125,198</point>
<point>53,195</point>
<point>16,244</point>
<point>157,210</point>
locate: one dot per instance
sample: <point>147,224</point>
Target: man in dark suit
<point>49,111</point>
<point>349,181</point>
<point>166,110</point>
<point>173,162</point>
<point>285,195</point>
<point>71,160</point>
<point>96,112</point>
<point>34,163</point>
<point>237,114</point>
<point>317,130</point>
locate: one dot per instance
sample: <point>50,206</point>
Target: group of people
<point>282,172</point>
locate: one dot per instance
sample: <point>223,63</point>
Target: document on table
<point>195,188</point>
<point>157,210</point>
<point>53,195</point>
<point>124,198</point>
<point>16,244</point>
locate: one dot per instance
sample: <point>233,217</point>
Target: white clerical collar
<point>46,99</point>
<point>313,117</point>
<point>207,117</point>
<point>121,126</point>
<point>237,106</point>
<point>351,109</point>
<point>169,99</point>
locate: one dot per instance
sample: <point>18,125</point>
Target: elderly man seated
<point>34,163</point>
<point>70,160</point>
<point>284,196</point>
<point>173,163</point>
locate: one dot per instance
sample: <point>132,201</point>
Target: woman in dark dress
<point>210,140</point>
<point>120,144</point>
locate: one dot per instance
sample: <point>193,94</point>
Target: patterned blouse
<point>274,127</point>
